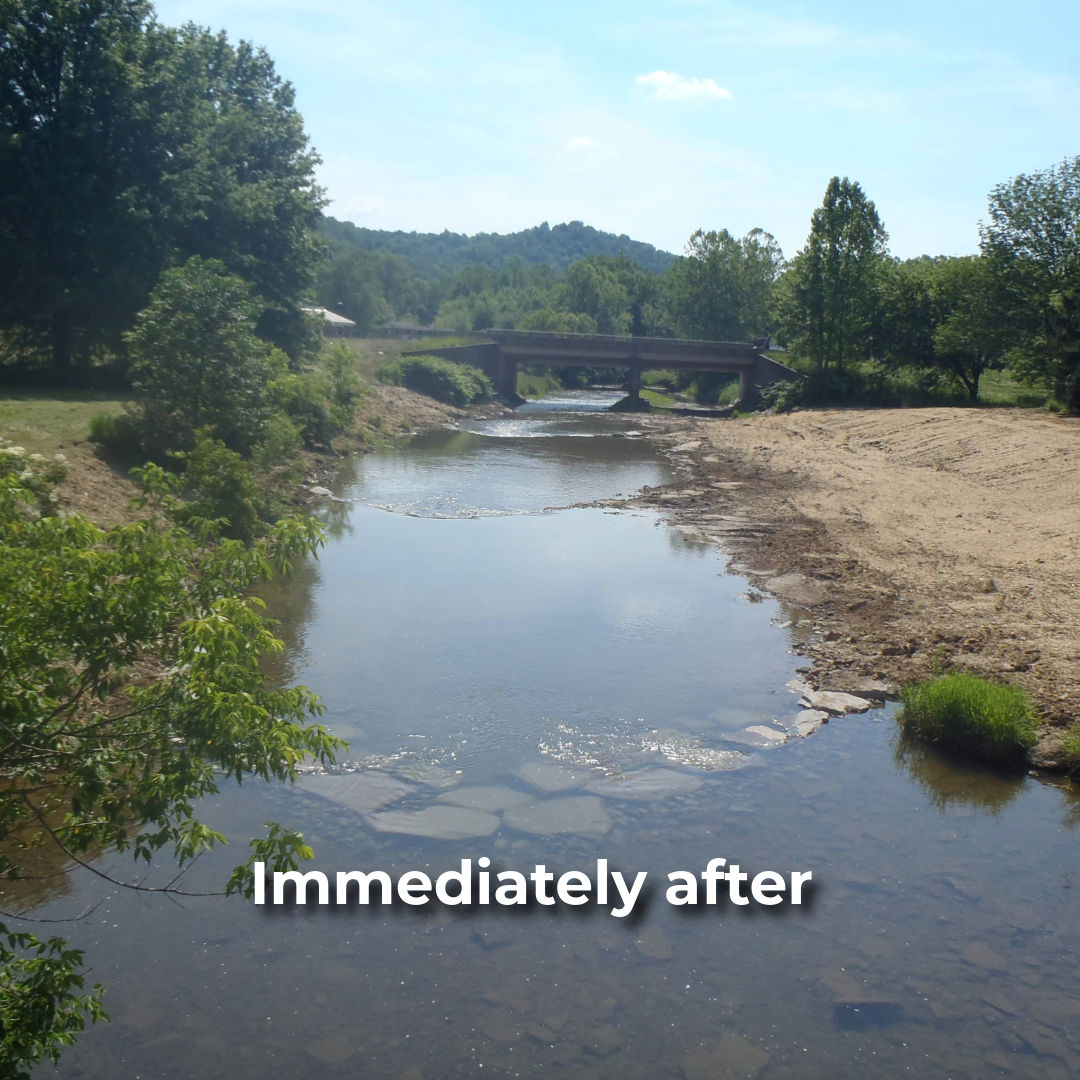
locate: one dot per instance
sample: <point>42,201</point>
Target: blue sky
<point>656,118</point>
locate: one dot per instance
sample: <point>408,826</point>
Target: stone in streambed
<point>436,823</point>
<point>645,785</point>
<point>836,703</point>
<point>581,815</point>
<point>362,791</point>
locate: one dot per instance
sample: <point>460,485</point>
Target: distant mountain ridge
<point>435,254</point>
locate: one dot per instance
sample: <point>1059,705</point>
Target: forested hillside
<point>435,254</point>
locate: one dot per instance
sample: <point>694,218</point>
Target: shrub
<point>279,442</point>
<point>220,487</point>
<point>306,401</point>
<point>196,361</point>
<point>867,385</point>
<point>36,474</point>
<point>119,432</point>
<point>970,715</point>
<point>454,384</point>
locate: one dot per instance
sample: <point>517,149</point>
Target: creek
<point>531,680</point>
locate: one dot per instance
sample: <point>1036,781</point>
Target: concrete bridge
<point>500,357</point>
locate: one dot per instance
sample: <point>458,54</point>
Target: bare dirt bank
<point>917,539</point>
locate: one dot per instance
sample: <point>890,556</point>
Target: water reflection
<point>949,781</point>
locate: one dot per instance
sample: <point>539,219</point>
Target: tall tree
<point>723,289</point>
<point>831,293</point>
<point>125,148</point>
<point>77,170</point>
<point>1032,239</point>
<point>948,314</point>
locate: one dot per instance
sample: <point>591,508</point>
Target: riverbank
<point>915,539</point>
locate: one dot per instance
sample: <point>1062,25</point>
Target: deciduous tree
<point>830,300</point>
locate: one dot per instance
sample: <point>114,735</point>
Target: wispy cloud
<point>582,142</point>
<point>671,86</point>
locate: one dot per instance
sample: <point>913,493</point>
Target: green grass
<point>1070,747</point>
<point>971,716</point>
<point>1001,389</point>
<point>43,421</point>
<point>657,399</point>
<point>537,386</point>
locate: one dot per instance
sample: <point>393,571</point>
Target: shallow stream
<point>524,679</point>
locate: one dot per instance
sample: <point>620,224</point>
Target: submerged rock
<point>581,815</point>
<point>436,822</point>
<point>489,799</point>
<point>362,791</point>
<point>645,785</point>
<point>550,778</point>
<point>731,1057</point>
<point>760,735</point>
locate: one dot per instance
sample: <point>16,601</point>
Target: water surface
<point>535,681</point>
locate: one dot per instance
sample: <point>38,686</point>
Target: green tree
<point>830,300</point>
<point>973,331</point>
<point>196,360</point>
<point>125,148</point>
<point>949,314</point>
<point>92,761</point>
<point>77,168</point>
<point>723,289</point>
<point>592,287</point>
<point>1032,240</point>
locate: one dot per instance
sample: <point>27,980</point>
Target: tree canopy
<point>723,289</point>
<point>127,147</point>
<point>831,292</point>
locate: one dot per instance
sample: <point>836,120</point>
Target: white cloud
<point>671,86</point>
<point>582,142</point>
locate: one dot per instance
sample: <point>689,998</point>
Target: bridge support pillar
<point>635,382</point>
<point>748,390</point>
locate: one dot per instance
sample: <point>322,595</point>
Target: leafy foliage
<point>445,253</point>
<point>127,147</point>
<point>41,1007</point>
<point>829,304</point>
<point>965,713</point>
<point>723,289</point>
<point>92,759</point>
<point>455,384</point>
<point>949,314</point>
<point>196,359</point>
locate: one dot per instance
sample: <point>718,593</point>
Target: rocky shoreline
<point>876,530</point>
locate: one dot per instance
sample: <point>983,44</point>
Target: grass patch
<point>44,421</point>
<point>1070,747</point>
<point>969,715</point>
<point>999,388</point>
<point>658,399</point>
<point>531,385</point>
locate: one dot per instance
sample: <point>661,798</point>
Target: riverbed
<point>526,678</point>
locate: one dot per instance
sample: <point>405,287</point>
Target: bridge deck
<point>538,347</point>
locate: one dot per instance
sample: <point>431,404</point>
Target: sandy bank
<point>917,539</point>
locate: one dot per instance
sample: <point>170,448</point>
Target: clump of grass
<point>1070,747</point>
<point>971,716</point>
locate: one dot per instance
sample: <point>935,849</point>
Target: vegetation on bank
<point>159,224</point>
<point>972,716</point>
<point>865,327</point>
<point>443,380</point>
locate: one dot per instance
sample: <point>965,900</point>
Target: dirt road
<point>918,539</point>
